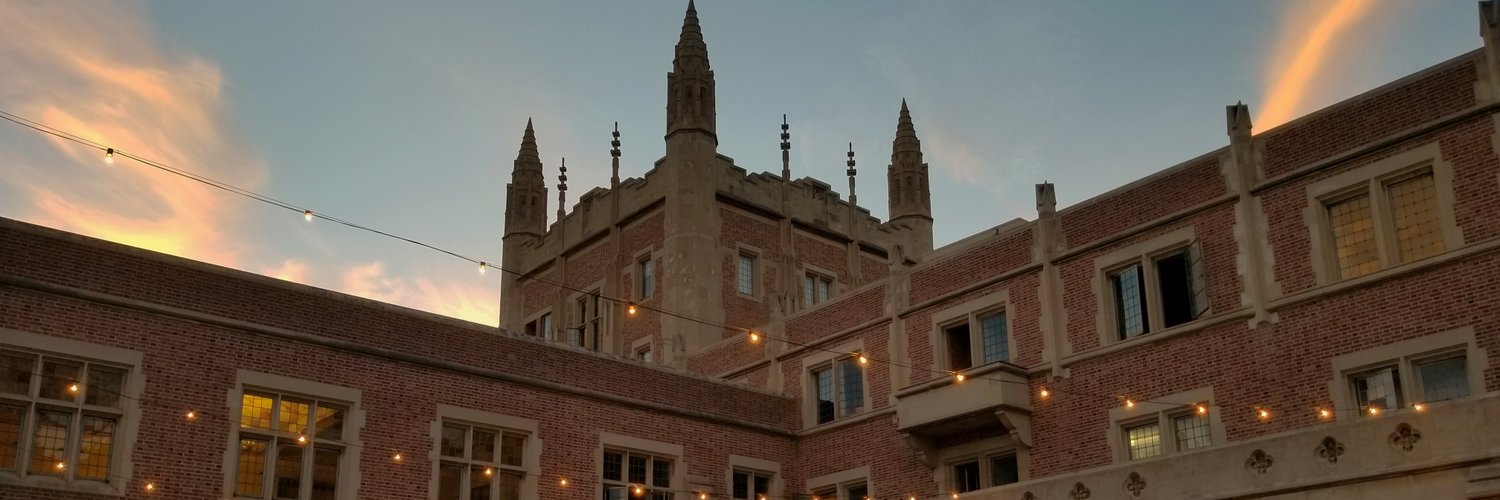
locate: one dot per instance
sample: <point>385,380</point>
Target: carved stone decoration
<point>1135,484</point>
<point>1405,437</point>
<point>1079,492</point>
<point>1028,496</point>
<point>1330,449</point>
<point>1259,461</point>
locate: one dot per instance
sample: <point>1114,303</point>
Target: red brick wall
<point>985,260</point>
<point>642,235</point>
<point>1168,192</point>
<point>738,227</point>
<point>835,316</point>
<point>822,253</point>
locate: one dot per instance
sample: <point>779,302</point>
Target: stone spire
<point>910,199</point>
<point>853,198</point>
<point>526,194</point>
<point>690,85</point>
<point>562,189</point>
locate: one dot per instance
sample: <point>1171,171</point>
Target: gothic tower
<point>525,222</point>
<point>910,198</point>
<point>690,85</point>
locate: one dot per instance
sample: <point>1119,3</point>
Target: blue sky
<point>406,115</point>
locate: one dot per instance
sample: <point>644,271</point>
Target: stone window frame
<point>981,450</point>
<point>1163,414</point>
<point>531,461</point>
<point>643,344</point>
<point>829,357</point>
<point>1373,179</point>
<point>354,422</point>
<point>621,443</point>
<point>1145,253</point>
<point>821,273</point>
<point>970,311</point>
<point>601,313</point>
<point>536,318</point>
<point>1404,354</point>
<point>121,475</point>
<point>757,270</point>
<point>840,482</point>
<point>754,465</point>
<point>633,272</point>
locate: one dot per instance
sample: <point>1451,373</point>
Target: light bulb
<point>630,309</point>
<point>959,377</point>
<point>73,387</point>
<point>955,495</point>
<point>191,415</point>
<point>488,471</point>
<point>1129,403</point>
<point>639,490</point>
<point>1322,413</point>
<point>150,487</point>
<point>754,336</point>
<point>563,482</point>
<point>1044,393</point>
<point>863,360</point>
<point>60,466</point>
<point>1374,410</point>
<point>483,267</point>
<point>1419,407</point>
<point>1202,410</point>
<point>1263,414</point>
<point>307,215</point>
<point>302,439</point>
<point>109,155</point>
<point>396,457</point>
<point>703,496</point>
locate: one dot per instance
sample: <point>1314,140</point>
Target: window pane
<point>1004,470</point>
<point>255,411</point>
<point>661,473</point>
<point>741,488</point>
<point>325,474</point>
<point>851,387</point>
<point>16,368</point>
<point>823,383</point>
<point>807,291</point>
<point>762,485</point>
<point>960,356</point>
<point>1175,288</point>
<point>288,471</point>
<point>746,275</point>
<point>966,476</point>
<point>59,377</point>
<point>104,386</point>
<point>995,337</point>
<point>11,418</point>
<point>547,332</point>
<point>95,447</point>
<point>453,440</point>
<point>1415,214</point>
<point>648,277</point>
<point>1144,440</point>
<point>1444,379</point>
<point>1377,389</point>
<point>329,422</point>
<point>1353,236</point>
<point>858,492</point>
<point>511,447</point>
<point>479,482</point>
<point>823,285</point>
<point>49,444</point>
<point>1130,301</point>
<point>450,482</point>
<point>293,416</point>
<point>483,446</point>
<point>250,474</point>
<point>637,469</point>
<point>612,466</point>
<point>1192,431</point>
<point>510,486</point>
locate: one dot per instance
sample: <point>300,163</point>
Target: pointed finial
<point>562,188</point>
<point>906,133</point>
<point>851,159</point>
<point>786,150</point>
<point>615,143</point>
<point>853,198</point>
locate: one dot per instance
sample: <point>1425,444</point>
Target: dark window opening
<point>1175,279</point>
<point>959,355</point>
<point>966,476</point>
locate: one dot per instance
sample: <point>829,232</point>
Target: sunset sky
<point>405,116</point>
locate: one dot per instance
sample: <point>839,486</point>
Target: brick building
<point>1307,312</point>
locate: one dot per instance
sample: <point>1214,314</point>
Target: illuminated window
<point>625,471</point>
<point>59,416</point>
<point>1191,430</point>
<point>1143,440</point>
<point>750,485</point>
<point>289,446</point>
<point>839,389</point>
<point>745,274</point>
<point>1158,291</point>
<point>1384,222</point>
<point>480,463</point>
<point>1354,236</point>
<point>815,289</point>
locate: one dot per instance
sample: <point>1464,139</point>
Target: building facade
<point>1308,312</point>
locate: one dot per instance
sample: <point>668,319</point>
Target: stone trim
<point>809,393</point>
<point>1162,413</point>
<point>996,301</point>
<point>611,441</point>
<point>1403,354</point>
<point>1143,253</point>
<point>979,450</point>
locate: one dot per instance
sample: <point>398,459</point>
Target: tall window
<point>1436,378</point>
<point>541,327</point>
<point>289,446</point>
<point>815,289</point>
<point>839,387</point>
<point>59,415</point>
<point>1410,225</point>
<point>984,472</point>
<point>967,350</point>
<point>590,321</point>
<point>647,269</point>
<point>1159,291</point>
<point>480,463</point>
<point>745,274</point>
<point>625,472</point>
<point>750,485</point>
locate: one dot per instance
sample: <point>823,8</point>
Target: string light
<point>73,387</point>
<point>307,215</point>
<point>1324,414</point>
<point>1044,393</point>
<point>1263,414</point>
<point>483,267</point>
<point>630,309</point>
<point>754,336</point>
<point>396,457</point>
<point>958,377</point>
<point>302,439</point>
<point>1374,410</point>
<point>109,155</point>
<point>190,415</point>
<point>1129,403</point>
<point>489,471</point>
<point>150,487</point>
<point>862,359</point>
<point>1419,407</point>
<point>1202,410</point>
<point>702,496</point>
<point>563,482</point>
<point>955,495</point>
<point>639,490</point>
<point>60,466</point>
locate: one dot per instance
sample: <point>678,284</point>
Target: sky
<point>406,116</point>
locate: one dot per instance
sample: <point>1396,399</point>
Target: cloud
<point>449,298</point>
<point>293,270</point>
<point>1310,33</point>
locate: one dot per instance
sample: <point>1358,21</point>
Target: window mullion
<point>28,435</point>
<point>72,442</point>
<point>1150,276</point>
<point>1380,214</point>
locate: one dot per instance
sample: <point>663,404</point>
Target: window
<point>480,463</point>
<point>854,490</point>
<point>750,485</point>
<point>966,350</point>
<point>643,353</point>
<point>541,327</point>
<point>1436,378</point>
<point>984,472</point>
<point>745,274</point>
<point>839,389</point>
<point>625,471</point>
<point>289,446</point>
<point>590,321</point>
<point>1383,222</point>
<point>1158,291</point>
<point>1151,430</point>
<point>815,289</point>
<point>1144,440</point>
<point>647,269</point>
<point>1192,430</point>
<point>60,416</point>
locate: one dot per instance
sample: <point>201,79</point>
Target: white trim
<point>353,451</point>
<point>531,460</point>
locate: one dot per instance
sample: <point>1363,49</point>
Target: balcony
<point>993,396</point>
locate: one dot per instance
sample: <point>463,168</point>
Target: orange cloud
<point>1309,34</point>
<point>290,270</point>
<point>469,302</point>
